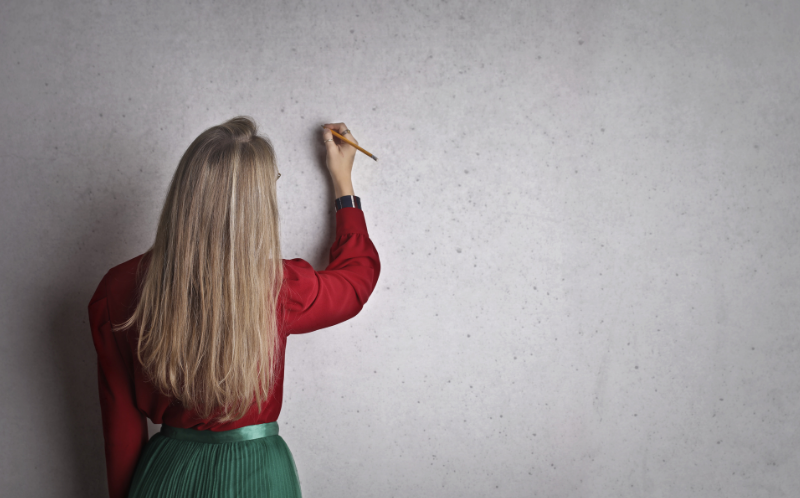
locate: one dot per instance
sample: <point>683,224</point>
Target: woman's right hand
<point>339,158</point>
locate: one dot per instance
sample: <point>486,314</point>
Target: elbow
<point>373,280</point>
<point>365,290</point>
<point>365,286</point>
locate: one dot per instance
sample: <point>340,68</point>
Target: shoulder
<point>300,284</point>
<point>119,287</point>
<point>293,268</point>
<point>124,275</point>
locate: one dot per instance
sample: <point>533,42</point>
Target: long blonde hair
<point>207,309</point>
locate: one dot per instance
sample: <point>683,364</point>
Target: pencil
<point>370,154</point>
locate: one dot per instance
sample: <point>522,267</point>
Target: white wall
<point>587,214</point>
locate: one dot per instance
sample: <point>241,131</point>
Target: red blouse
<point>309,300</point>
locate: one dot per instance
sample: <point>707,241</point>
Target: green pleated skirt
<point>249,462</point>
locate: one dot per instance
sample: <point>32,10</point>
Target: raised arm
<point>319,299</point>
<point>315,300</point>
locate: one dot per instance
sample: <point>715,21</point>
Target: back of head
<point>207,309</point>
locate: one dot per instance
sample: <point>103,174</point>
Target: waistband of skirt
<point>246,433</point>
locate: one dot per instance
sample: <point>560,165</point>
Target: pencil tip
<point>373,157</point>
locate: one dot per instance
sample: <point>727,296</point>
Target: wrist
<point>342,188</point>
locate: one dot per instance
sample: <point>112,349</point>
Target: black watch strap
<point>347,201</point>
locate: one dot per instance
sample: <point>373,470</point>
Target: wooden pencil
<point>335,134</point>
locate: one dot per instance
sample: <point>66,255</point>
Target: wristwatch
<point>347,201</point>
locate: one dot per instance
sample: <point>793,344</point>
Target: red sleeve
<point>319,299</point>
<point>124,426</point>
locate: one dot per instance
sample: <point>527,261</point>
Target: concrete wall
<point>587,214</point>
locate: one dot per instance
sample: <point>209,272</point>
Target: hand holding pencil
<point>343,139</point>
<point>339,158</point>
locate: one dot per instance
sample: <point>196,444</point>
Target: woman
<point>191,334</point>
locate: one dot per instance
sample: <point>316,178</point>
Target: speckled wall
<point>587,214</point>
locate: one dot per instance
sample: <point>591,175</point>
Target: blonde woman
<point>191,334</point>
